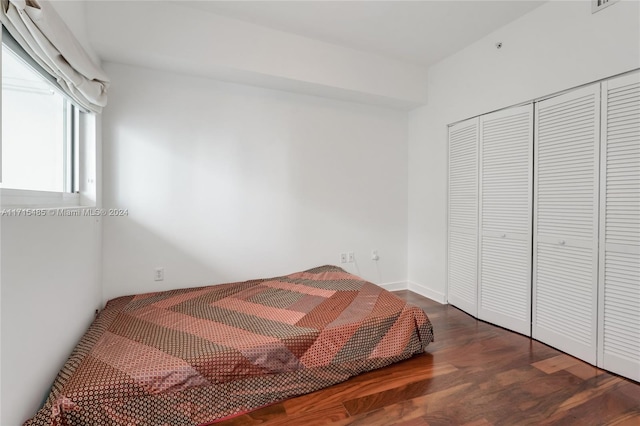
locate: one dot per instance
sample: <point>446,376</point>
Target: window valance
<point>44,36</point>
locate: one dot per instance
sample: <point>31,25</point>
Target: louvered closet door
<point>506,158</point>
<point>619,333</point>
<point>565,248</point>
<point>463,216</point>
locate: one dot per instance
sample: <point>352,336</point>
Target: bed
<point>195,356</point>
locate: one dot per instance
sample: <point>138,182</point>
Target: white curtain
<point>36,26</point>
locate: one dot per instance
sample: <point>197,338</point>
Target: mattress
<point>194,356</point>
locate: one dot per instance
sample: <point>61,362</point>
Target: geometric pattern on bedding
<point>192,356</point>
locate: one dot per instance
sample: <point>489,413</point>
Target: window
<point>38,143</point>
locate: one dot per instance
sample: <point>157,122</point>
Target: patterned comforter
<point>192,356</point>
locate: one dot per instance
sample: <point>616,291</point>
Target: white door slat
<point>462,253</point>
<point>565,219</point>
<point>619,256</point>
<point>506,155</point>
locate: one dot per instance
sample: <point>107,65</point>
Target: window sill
<point>21,198</point>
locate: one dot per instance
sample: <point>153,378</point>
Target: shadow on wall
<point>226,182</point>
<point>136,251</point>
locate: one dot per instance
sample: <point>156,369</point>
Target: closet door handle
<point>562,242</point>
<point>503,236</point>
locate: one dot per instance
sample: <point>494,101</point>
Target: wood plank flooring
<point>474,374</point>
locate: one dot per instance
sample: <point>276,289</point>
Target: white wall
<point>74,14</point>
<point>557,46</point>
<point>50,283</point>
<point>50,289</point>
<point>196,42</point>
<point>227,182</point>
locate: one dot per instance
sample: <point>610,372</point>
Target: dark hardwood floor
<point>474,374</point>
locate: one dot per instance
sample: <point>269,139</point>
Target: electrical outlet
<point>351,257</point>
<point>374,255</point>
<point>343,257</point>
<point>158,274</point>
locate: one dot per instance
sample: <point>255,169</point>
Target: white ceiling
<point>422,32</point>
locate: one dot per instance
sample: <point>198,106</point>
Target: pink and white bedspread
<point>193,356</point>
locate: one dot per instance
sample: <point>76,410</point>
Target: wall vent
<point>598,5</point>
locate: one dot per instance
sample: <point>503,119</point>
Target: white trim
<point>552,95</point>
<point>26,198</point>
<point>425,291</point>
<point>447,209</point>
<point>394,286</point>
<point>602,219</point>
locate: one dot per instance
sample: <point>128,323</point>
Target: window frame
<point>70,195</point>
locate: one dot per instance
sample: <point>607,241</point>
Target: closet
<point>544,221</point>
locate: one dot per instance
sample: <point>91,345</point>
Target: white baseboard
<point>427,292</point>
<point>394,286</point>
<point>416,288</point>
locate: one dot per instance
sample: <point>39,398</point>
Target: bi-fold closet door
<point>582,292</point>
<point>565,238</point>
<point>619,263</point>
<point>505,211</point>
<point>586,277</point>
<point>489,271</point>
<point>462,255</point>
